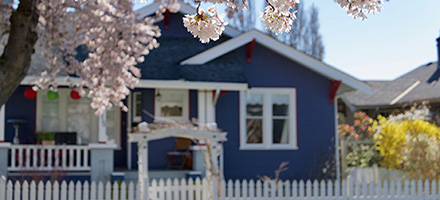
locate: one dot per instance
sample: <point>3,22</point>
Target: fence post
<point>4,150</point>
<point>144,183</point>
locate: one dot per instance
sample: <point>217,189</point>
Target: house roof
<point>163,63</point>
<point>417,85</point>
<point>162,69</point>
<point>348,82</point>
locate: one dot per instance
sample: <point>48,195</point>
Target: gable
<point>348,82</point>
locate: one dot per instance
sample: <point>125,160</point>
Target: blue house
<point>275,103</point>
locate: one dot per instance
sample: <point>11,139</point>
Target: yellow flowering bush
<point>393,135</point>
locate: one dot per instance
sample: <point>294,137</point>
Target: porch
<point>93,162</point>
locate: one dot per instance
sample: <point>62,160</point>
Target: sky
<point>383,46</point>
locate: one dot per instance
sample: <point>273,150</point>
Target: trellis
<point>195,133</point>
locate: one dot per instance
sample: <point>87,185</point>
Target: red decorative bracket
<point>167,19</point>
<point>223,92</point>
<point>334,85</point>
<point>250,49</point>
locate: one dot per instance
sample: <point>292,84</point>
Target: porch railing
<point>49,157</point>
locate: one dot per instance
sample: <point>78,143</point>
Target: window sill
<point>268,148</point>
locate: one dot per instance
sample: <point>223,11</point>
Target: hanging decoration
<point>51,95</point>
<point>29,93</point>
<point>74,95</point>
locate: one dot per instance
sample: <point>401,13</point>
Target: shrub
<point>399,137</point>
<point>357,140</point>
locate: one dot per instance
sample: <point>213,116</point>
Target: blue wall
<point>19,107</point>
<point>315,119</point>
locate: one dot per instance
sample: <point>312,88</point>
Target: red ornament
<point>29,93</point>
<point>75,95</point>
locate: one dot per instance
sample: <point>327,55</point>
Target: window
<point>268,118</point>
<point>171,105</point>
<point>65,114</point>
<point>137,107</point>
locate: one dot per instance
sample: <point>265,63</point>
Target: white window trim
<point>185,106</point>
<point>136,118</point>
<point>267,119</point>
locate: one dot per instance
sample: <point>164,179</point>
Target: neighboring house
<point>388,97</point>
<point>274,102</point>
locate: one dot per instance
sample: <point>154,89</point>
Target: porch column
<point>206,107</point>
<point>144,182</point>
<point>2,124</point>
<point>4,150</point>
<point>102,128</point>
<point>101,162</point>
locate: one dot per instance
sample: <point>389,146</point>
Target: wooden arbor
<point>191,133</point>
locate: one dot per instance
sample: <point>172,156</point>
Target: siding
<point>315,119</point>
<point>18,107</point>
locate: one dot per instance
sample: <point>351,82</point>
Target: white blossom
<point>206,26</point>
<point>284,5</point>
<point>277,21</point>
<point>359,8</point>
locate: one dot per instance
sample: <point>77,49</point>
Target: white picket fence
<point>183,189</point>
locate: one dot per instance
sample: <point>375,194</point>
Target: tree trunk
<point>16,57</point>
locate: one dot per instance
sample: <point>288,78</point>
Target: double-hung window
<point>268,119</point>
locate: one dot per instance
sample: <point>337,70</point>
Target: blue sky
<point>384,46</point>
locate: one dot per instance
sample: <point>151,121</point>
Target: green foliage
<point>45,136</point>
<point>362,155</point>
<point>358,141</point>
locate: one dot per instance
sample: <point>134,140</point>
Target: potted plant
<point>46,138</point>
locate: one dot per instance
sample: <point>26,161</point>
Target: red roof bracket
<point>250,49</point>
<point>334,85</point>
<point>167,19</point>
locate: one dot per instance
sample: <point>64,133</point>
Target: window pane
<point>254,105</point>
<point>254,129</point>
<point>171,111</point>
<point>137,103</point>
<point>280,105</point>
<point>50,115</point>
<point>112,126</point>
<point>280,132</point>
<point>79,118</point>
<point>171,104</point>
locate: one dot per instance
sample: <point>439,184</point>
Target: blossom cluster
<point>205,25</point>
<point>109,34</point>
<point>276,20</point>
<point>278,16</point>
<point>359,8</point>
